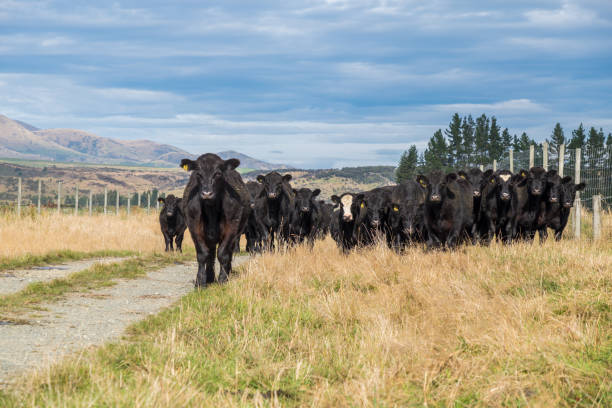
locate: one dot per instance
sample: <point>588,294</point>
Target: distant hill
<point>19,140</point>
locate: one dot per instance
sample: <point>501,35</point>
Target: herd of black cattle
<point>439,210</point>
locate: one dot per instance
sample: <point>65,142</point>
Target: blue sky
<point>310,83</point>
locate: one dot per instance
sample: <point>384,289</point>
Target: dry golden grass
<point>513,325</point>
<point>33,235</point>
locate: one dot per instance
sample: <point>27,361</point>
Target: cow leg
<point>543,233</point>
<point>206,266</point>
<point>179,241</point>
<point>167,240</point>
<point>558,234</point>
<point>224,255</point>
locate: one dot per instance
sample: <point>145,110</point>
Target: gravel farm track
<point>85,319</point>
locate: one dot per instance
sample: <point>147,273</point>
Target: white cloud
<point>569,15</point>
<point>512,106</point>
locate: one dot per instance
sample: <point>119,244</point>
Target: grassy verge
<point>499,326</point>
<point>99,275</point>
<point>55,257</point>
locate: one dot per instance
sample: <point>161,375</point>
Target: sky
<point>312,83</point>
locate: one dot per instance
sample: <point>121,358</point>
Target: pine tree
<point>609,140</point>
<point>578,138</point>
<point>506,140</point>
<point>406,170</point>
<point>495,145</point>
<point>436,153</point>
<point>481,139</point>
<point>594,144</point>
<point>455,142</point>
<point>467,134</point>
<point>522,144</point>
<point>557,138</point>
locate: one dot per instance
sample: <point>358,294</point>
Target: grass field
<point>498,326</point>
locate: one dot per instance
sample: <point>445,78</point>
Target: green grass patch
<point>99,275</point>
<point>55,257</point>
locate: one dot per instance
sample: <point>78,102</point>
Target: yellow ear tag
<point>362,205</point>
<point>462,176</point>
<point>492,181</point>
<point>185,167</point>
<point>395,208</point>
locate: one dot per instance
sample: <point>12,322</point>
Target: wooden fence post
<point>596,217</point>
<point>19,197</point>
<point>577,205</point>
<point>157,202</point>
<point>59,197</point>
<point>129,199</point>
<point>148,203</point>
<point>76,201</point>
<point>531,156</point>
<point>481,167</point>
<point>545,155</point>
<point>494,165</point>
<point>138,197</point>
<point>511,160</point>
<point>90,203</point>
<point>561,159</point>
<point>117,203</point>
<point>105,199</point>
<point>39,194</point>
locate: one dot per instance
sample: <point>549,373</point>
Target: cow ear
<point>335,199</point>
<point>566,179</point>
<point>487,173</point>
<point>294,190</point>
<point>422,180</point>
<point>580,186</point>
<point>189,165</point>
<point>451,176</point>
<point>360,196</point>
<point>231,164</point>
<point>161,200</point>
<point>287,177</point>
<point>551,173</point>
<point>261,178</point>
<point>462,174</point>
<point>316,192</point>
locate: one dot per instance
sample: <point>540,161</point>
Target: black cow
<point>344,219</point>
<point>560,199</point>
<point>279,204</point>
<point>374,220</point>
<point>495,209</point>
<point>256,233</point>
<point>407,215</point>
<point>475,176</point>
<point>305,216</point>
<point>172,222</point>
<point>216,205</point>
<point>325,214</point>
<point>528,203</point>
<point>448,208</point>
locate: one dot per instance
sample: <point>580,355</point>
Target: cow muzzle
<point>305,209</point>
<point>567,205</point>
<point>272,195</point>
<point>476,193</point>
<point>436,197</point>
<point>553,199</point>
<point>347,217</point>
<point>207,195</point>
<point>536,191</point>
<point>505,196</point>
<point>375,223</point>
<point>169,213</point>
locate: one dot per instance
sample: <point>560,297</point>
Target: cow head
<point>377,207</point>
<point>503,181</point>
<point>304,199</point>
<point>208,174</point>
<point>171,205</point>
<point>406,202</point>
<point>536,179</point>
<point>350,205</point>
<point>436,185</point>
<point>475,177</point>
<point>568,191</point>
<point>553,187</point>
<point>274,184</point>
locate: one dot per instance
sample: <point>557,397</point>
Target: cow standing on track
<point>448,208</point>
<point>172,222</point>
<point>216,205</point>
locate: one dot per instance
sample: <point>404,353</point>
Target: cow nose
<point>252,205</point>
<point>170,213</point>
<point>505,196</point>
<point>375,223</point>
<point>207,195</point>
<point>305,209</point>
<point>435,197</point>
<point>567,205</point>
<point>347,217</point>
<point>553,199</point>
<point>476,193</point>
<point>537,191</point>
<point>272,195</point>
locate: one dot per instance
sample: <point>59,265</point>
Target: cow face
<point>208,174</point>
<point>436,185</point>
<point>350,205</point>
<point>503,180</point>
<point>568,191</point>
<point>171,205</point>
<point>304,199</point>
<point>377,206</point>
<point>475,177</point>
<point>273,184</point>
<point>536,180</point>
<point>553,187</point>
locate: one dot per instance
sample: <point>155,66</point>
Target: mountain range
<point>19,140</point>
